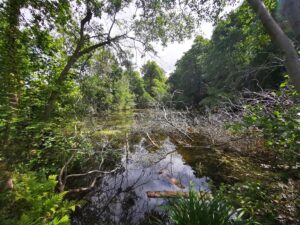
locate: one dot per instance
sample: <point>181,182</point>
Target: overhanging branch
<point>101,44</point>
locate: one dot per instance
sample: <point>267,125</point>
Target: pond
<point>130,195</point>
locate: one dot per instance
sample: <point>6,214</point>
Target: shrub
<point>274,117</point>
<point>34,202</point>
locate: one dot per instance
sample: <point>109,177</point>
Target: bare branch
<point>169,122</point>
<point>91,172</point>
<point>111,26</point>
<point>153,143</point>
<point>101,44</point>
<point>93,183</point>
<point>62,182</point>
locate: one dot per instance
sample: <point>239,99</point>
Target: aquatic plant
<point>198,209</point>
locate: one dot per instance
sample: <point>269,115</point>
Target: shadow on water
<point>122,198</point>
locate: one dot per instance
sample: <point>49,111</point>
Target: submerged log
<point>171,179</point>
<point>174,194</point>
<point>174,181</point>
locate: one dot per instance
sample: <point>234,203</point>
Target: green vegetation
<point>137,86</point>
<point>278,121</point>
<point>33,201</point>
<point>239,55</point>
<point>154,80</point>
<point>107,86</point>
<point>201,210</point>
<point>186,81</point>
<point>65,63</point>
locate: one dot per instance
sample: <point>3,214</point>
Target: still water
<point>122,198</point>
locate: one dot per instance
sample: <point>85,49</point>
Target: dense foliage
<point>154,80</point>
<point>186,81</point>
<point>239,55</point>
<point>34,202</point>
<point>276,116</point>
<point>62,61</point>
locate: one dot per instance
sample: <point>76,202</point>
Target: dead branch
<point>152,142</point>
<point>61,180</point>
<point>91,172</point>
<point>93,183</point>
<point>174,194</point>
<point>170,123</point>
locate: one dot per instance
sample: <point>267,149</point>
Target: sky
<point>167,56</point>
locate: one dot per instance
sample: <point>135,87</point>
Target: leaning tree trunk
<point>283,42</point>
<point>79,52</point>
<point>55,93</point>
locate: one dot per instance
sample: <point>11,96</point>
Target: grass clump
<point>198,209</point>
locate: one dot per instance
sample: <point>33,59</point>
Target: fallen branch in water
<point>174,194</point>
<point>152,142</point>
<point>91,172</point>
<point>170,123</point>
<point>63,176</point>
<point>93,183</point>
<point>82,189</point>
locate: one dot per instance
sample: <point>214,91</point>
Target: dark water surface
<point>121,198</point>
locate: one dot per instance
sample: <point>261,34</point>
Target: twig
<point>91,172</point>
<point>153,143</point>
<point>182,132</point>
<point>62,182</point>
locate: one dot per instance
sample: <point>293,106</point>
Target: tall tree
<point>283,42</point>
<point>211,10</point>
<point>186,82</point>
<point>152,21</point>
<point>10,74</point>
<point>155,80</point>
<point>245,53</point>
<point>105,86</point>
<point>24,55</point>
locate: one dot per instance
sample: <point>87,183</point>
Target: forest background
<point>67,60</point>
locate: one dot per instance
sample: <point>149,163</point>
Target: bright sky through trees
<point>168,56</point>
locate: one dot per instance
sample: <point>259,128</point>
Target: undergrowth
<point>33,201</point>
<point>198,209</point>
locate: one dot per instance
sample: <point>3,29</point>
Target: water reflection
<point>122,198</point>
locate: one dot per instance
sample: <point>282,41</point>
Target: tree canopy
<point>154,79</point>
<point>76,112</point>
<point>186,82</point>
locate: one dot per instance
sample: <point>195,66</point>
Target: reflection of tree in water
<point>116,201</point>
<point>122,199</point>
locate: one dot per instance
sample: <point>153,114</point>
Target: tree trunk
<point>11,80</point>
<point>55,93</point>
<point>79,52</point>
<point>283,42</point>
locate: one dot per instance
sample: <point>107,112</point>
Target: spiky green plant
<point>201,210</point>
